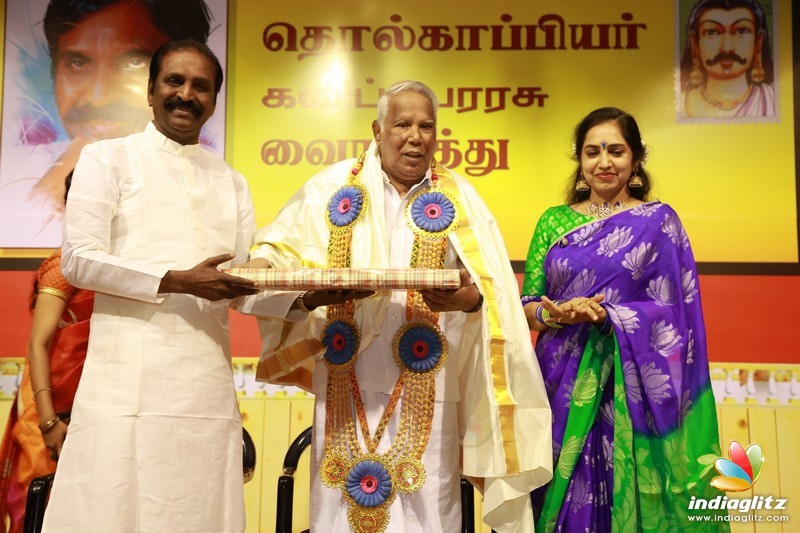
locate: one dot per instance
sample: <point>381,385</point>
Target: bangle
<point>477,305</point>
<point>606,327</point>
<point>40,390</point>
<point>544,315</point>
<point>539,311</point>
<point>302,305</point>
<point>49,425</point>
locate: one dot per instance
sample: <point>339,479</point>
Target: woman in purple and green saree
<point>611,286</point>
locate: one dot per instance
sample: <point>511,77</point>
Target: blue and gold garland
<point>370,481</point>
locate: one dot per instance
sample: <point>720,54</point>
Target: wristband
<point>48,426</point>
<point>477,305</point>
<point>539,310</point>
<point>543,314</point>
<point>302,305</point>
<point>606,327</point>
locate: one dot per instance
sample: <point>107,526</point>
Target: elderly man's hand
<point>205,280</point>
<point>464,298</point>
<point>258,262</point>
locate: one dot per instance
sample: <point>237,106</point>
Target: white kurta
<point>155,442</point>
<point>467,435</point>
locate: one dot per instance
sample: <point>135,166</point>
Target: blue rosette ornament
<point>341,339</point>
<point>433,213</point>
<point>346,206</point>
<point>370,489</point>
<point>419,347</point>
<point>369,483</point>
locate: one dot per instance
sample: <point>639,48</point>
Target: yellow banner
<point>513,79</point>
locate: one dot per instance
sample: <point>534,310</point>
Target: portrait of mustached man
<point>727,67</point>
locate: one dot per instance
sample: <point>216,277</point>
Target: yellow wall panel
<point>787,422</point>
<point>276,442</point>
<point>763,432</point>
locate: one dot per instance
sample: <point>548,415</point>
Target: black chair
<point>39,489</point>
<point>467,507</point>
<point>248,456</point>
<point>283,522</point>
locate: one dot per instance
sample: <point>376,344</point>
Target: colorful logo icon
<point>741,471</point>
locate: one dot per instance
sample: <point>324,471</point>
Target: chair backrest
<point>248,456</point>
<point>38,491</point>
<point>467,507</point>
<point>283,520</point>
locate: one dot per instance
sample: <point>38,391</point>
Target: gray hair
<point>403,86</point>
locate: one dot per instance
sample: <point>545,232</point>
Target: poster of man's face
<point>726,66</point>
<point>76,71</point>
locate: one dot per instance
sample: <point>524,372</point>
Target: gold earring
<point>696,76</point>
<point>581,184</point>
<point>757,74</point>
<point>635,182</point>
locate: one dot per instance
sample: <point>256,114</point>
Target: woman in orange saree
<point>37,424</point>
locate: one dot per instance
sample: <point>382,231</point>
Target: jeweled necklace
<point>605,209</point>
<point>726,105</point>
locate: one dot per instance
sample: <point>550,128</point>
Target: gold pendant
<point>368,520</point>
<point>409,475</point>
<point>333,470</point>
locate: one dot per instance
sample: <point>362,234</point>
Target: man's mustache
<point>191,105</point>
<point>726,56</point>
<point>117,112</point>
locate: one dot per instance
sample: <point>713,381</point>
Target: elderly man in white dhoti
<point>413,388</point>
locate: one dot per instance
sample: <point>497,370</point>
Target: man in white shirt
<point>155,441</point>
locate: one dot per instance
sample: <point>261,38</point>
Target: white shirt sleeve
<point>270,304</point>
<point>86,259</point>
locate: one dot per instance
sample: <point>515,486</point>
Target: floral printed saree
<point>634,419</point>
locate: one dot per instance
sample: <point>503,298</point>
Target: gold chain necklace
<point>369,480</point>
<point>726,105</point>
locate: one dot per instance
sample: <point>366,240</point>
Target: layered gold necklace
<point>368,480</point>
